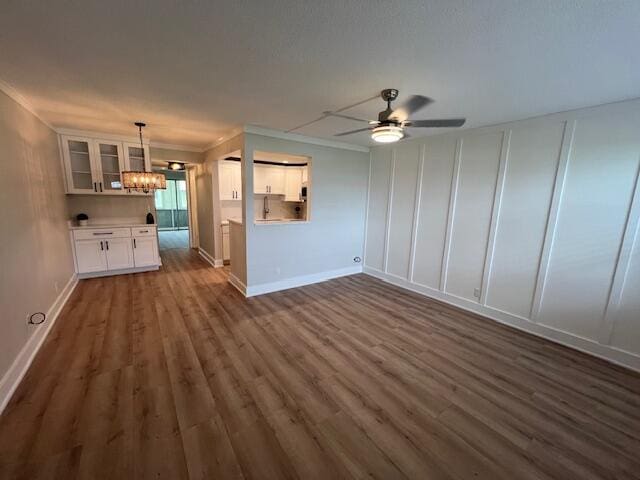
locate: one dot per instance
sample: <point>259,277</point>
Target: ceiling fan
<point>391,122</point>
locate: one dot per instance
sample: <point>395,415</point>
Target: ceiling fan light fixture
<point>387,134</point>
<point>176,166</point>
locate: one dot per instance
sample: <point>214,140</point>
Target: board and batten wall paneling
<point>431,228</point>
<point>596,199</point>
<point>626,318</point>
<point>542,215</point>
<point>378,205</point>
<point>478,173</point>
<point>531,167</point>
<point>406,164</point>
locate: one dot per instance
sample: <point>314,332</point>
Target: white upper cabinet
<point>293,184</point>
<point>137,158</point>
<point>230,180</point>
<point>79,164</point>
<point>95,166</point>
<point>110,165</point>
<point>276,180</point>
<point>269,179</point>
<point>260,179</point>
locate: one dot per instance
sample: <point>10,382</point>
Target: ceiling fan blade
<point>410,106</point>
<point>351,131</point>
<point>348,117</point>
<point>447,122</point>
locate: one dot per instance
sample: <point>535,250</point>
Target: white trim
<point>300,281</point>
<point>21,100</point>
<point>224,139</point>
<point>101,135</point>
<point>214,262</point>
<point>552,218</point>
<point>236,282</point>
<point>495,216</point>
<point>171,146</point>
<point>387,229</point>
<point>620,275</point>
<point>451,212</point>
<point>611,354</point>
<point>110,273</point>
<point>366,213</point>
<point>18,369</point>
<point>417,205</point>
<point>295,137</point>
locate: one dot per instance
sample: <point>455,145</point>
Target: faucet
<point>265,207</point>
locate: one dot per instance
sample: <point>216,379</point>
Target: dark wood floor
<point>172,374</point>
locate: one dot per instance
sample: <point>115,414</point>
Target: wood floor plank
<point>174,374</point>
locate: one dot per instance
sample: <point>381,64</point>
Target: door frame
<point>192,207</point>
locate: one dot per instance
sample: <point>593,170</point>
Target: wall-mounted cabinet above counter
<point>94,166</point>
<point>267,180</point>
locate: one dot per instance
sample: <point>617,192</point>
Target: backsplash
<point>110,207</point>
<point>278,208</point>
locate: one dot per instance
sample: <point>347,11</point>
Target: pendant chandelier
<point>142,181</point>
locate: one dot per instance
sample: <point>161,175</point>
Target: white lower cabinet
<point>90,256</point>
<point>119,253</point>
<point>145,251</point>
<point>117,250</point>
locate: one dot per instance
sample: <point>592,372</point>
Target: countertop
<point>112,225</point>
<point>259,221</point>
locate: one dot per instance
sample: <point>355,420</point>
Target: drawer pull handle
<point>103,233</point>
<point>144,231</point>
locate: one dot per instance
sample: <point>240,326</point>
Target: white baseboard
<point>585,345</point>
<point>236,282</point>
<point>214,262</point>
<point>110,273</point>
<point>21,364</point>
<point>253,290</point>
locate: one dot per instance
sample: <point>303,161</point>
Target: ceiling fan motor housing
<point>389,94</point>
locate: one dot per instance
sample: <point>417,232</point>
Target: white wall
<point>532,223</point>
<point>35,251</point>
<point>280,255</point>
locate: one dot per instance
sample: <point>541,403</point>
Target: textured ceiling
<point>194,70</point>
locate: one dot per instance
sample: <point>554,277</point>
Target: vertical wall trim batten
<point>495,216</point>
<point>552,218</point>
<point>623,264</point>
<point>387,231</point>
<point>366,213</point>
<point>416,212</point>
<point>457,166</point>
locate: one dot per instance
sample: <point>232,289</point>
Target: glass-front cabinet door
<point>111,163</point>
<point>78,157</point>
<point>136,157</point>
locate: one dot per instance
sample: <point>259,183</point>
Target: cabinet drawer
<point>143,231</point>
<point>99,233</point>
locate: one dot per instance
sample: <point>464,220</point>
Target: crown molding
<point>225,138</point>
<point>100,135</point>
<point>295,137</point>
<point>172,146</point>
<point>21,100</point>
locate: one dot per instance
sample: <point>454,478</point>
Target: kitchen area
<point>281,187</point>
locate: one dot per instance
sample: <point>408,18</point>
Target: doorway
<point>172,212</point>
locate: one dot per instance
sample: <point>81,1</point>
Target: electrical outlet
<point>476,292</point>
<point>56,287</point>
